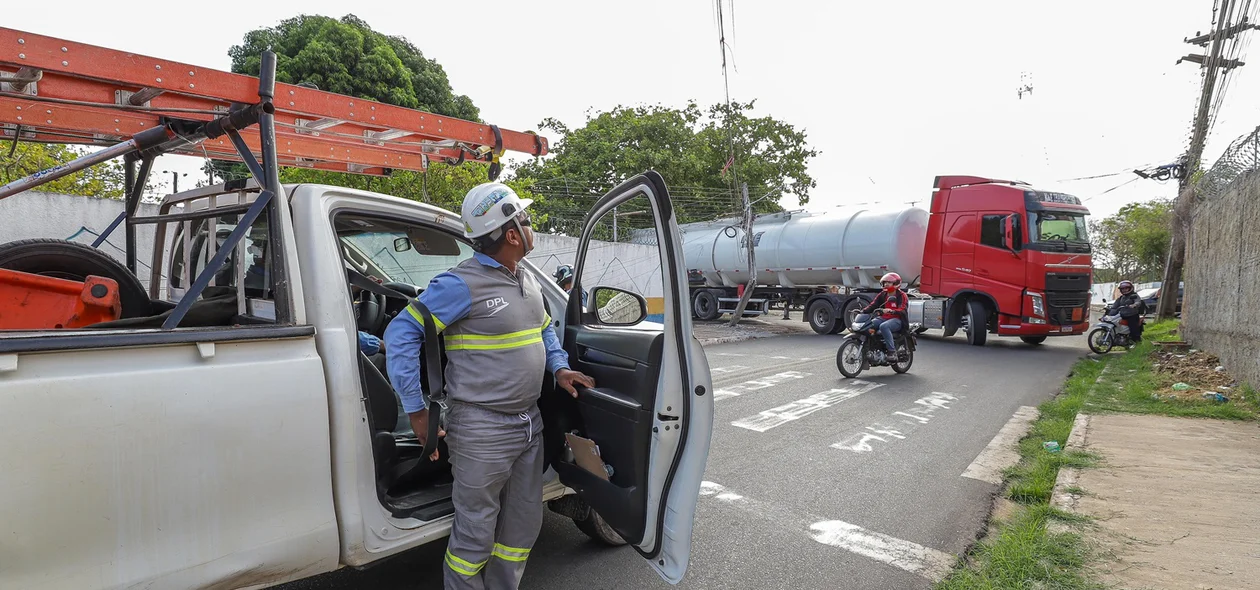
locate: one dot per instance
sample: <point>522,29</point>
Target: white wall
<point>632,267</point>
<point>81,219</point>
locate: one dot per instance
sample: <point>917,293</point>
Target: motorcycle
<point>863,348</point>
<point>1109,332</point>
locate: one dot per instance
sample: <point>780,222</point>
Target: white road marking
<point>801,408</point>
<point>756,384</point>
<point>726,369</point>
<point>922,412</point>
<point>726,354</point>
<point>1003,450</point>
<point>905,555</point>
<point>912,557</point>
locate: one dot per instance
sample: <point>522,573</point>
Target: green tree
<point>689,147</point>
<point>103,180</point>
<point>347,57</point>
<point>1133,243</point>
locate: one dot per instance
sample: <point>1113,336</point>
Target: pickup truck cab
<point>254,444</point>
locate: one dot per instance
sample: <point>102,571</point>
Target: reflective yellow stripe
<point>510,553</point>
<point>462,566</point>
<point>496,346</point>
<point>457,337</point>
<point>546,323</point>
<point>419,318</point>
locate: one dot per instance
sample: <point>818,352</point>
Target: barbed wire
<point>1240,158</point>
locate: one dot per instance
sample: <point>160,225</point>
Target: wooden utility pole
<point>752,260</point>
<point>1212,62</point>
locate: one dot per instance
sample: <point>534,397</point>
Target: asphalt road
<point>885,507</point>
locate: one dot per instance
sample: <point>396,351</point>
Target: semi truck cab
<point>1006,257</point>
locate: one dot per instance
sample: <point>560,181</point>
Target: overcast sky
<point>892,94</point>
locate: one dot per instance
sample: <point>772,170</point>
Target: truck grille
<point>1063,281</point>
<point>1067,307</point>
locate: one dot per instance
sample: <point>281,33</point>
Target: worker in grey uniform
<point>499,339</point>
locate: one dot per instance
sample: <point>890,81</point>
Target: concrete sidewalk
<point>1175,501</point>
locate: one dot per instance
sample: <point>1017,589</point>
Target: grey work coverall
<point>497,346</point>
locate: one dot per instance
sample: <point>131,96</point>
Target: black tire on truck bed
<point>63,259</point>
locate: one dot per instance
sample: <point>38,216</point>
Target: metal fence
<point>1241,157</point>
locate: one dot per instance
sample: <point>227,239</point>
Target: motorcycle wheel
<point>1099,341</point>
<point>903,366</point>
<point>849,358</point>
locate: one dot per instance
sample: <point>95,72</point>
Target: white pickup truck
<point>254,444</point>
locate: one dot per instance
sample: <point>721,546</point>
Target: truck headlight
<point>1038,305</point>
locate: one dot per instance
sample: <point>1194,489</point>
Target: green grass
<point>1024,554</point>
<point>1021,552</point>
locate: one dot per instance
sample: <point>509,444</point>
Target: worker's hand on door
<point>569,379</point>
<point>420,426</point>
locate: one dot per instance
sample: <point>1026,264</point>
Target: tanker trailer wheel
<point>822,316</point>
<point>976,322</point>
<point>73,261</point>
<point>704,305</point>
<point>851,311</point>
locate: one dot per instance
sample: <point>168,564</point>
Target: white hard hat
<point>488,207</point>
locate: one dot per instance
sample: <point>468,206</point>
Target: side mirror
<point>617,307</point>
<point>1011,237</point>
<point>402,244</point>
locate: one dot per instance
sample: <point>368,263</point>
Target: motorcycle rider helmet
<point>1126,287</point>
<point>564,274</point>
<point>890,281</point>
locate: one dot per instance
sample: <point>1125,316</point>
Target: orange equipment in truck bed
<point>36,302</point>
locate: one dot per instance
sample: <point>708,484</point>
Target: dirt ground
<point>1201,371</point>
<point>1176,501</point>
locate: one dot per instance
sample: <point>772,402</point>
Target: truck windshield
<point>410,265</point>
<point>1050,226</point>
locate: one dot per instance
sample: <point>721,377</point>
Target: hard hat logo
<point>488,202</point>
<point>490,206</point>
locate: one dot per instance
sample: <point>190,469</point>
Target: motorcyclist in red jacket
<point>891,305</point>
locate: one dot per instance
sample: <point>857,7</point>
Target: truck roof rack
<point>58,91</point>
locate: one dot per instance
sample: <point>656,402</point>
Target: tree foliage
<point>347,57</point>
<point>689,147</point>
<point>1133,243</point>
<point>102,180</point>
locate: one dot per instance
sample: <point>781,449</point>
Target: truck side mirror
<point>1011,234</point>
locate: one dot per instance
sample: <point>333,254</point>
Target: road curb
<point>1077,440</point>
<point>729,339</point>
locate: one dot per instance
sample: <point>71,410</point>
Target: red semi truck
<point>999,257</point>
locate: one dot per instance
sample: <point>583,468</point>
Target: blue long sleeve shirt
<point>449,300</point>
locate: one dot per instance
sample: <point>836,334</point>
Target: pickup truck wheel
<point>822,316</point>
<point>73,261</point>
<point>977,323</point>
<point>597,529</point>
<point>705,305</point>
<point>1033,339</point>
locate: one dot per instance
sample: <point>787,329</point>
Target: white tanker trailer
<point>800,254</point>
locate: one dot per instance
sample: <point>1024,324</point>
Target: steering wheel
<point>370,309</point>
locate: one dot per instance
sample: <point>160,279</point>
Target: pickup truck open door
<point>651,412</point>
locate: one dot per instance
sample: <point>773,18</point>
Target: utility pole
<point>1211,62</point>
<point>752,260</point>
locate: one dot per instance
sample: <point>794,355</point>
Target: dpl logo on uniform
<point>496,305</point>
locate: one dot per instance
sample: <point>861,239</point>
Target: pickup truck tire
<point>705,305</point>
<point>822,316</point>
<point>977,323</point>
<point>73,261</point>
<point>596,528</point>
<point>1033,339</point>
